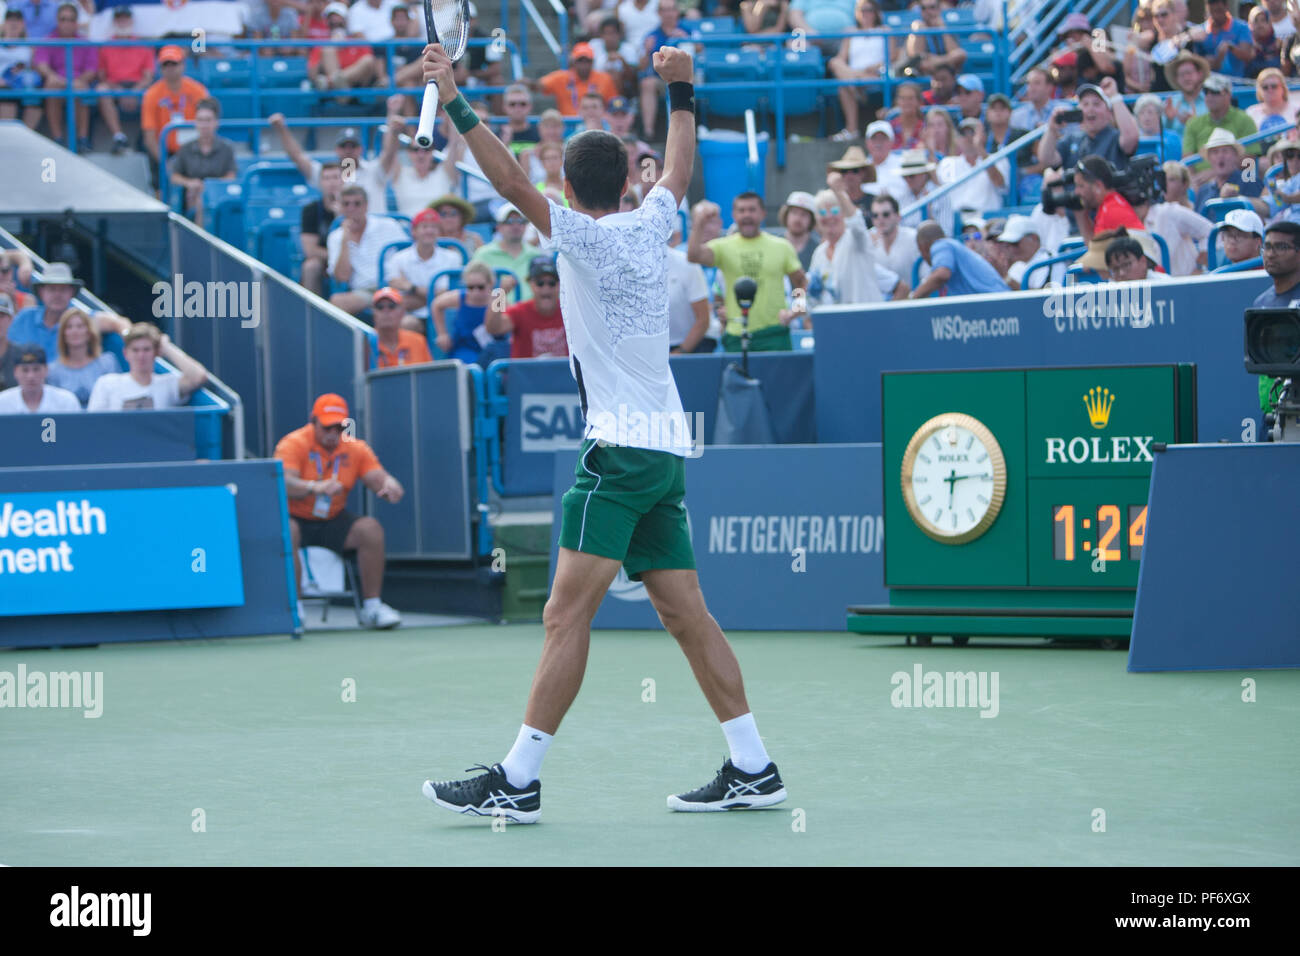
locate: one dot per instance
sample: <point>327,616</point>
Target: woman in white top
<point>844,265</point>
<point>424,179</point>
<point>82,359</point>
<point>1276,105</point>
<point>639,18</point>
<point>861,57</point>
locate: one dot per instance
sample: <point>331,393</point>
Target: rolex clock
<point>954,478</point>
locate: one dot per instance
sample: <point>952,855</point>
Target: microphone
<point>745,289</point>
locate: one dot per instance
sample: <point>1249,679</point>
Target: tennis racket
<point>447,22</point>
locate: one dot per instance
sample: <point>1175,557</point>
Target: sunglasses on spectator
<point>971,236</point>
<point>544,283</point>
<point>518,103</point>
<point>333,428</point>
<point>829,211</point>
<point>385,304</point>
<point>352,202</point>
<point>1279,247</point>
<point>514,221</point>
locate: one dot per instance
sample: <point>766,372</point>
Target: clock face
<point>954,478</point>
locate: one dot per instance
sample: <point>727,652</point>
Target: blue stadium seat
<point>981,58</point>
<point>712,26</point>
<point>960,17</point>
<point>897,19</point>
<point>223,210</point>
<point>267,179</point>
<point>225,74</point>
<point>384,254</point>
<point>281,71</point>
<point>732,66</point>
<point>482,229</point>
<point>807,65</point>
<point>277,245</point>
<point>1216,209</point>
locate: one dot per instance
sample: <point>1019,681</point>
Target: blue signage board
<point>787,552</point>
<point>120,550</point>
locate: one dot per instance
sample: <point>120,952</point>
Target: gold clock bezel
<point>996,458</point>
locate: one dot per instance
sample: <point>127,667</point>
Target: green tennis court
<point>255,734</point>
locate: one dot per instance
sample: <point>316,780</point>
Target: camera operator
<point>1106,129</point>
<point>1104,210</point>
<point>1282,263</point>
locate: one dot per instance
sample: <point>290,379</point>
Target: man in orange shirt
<point>320,469</point>
<point>174,97</point>
<point>571,85</point>
<point>397,346</point>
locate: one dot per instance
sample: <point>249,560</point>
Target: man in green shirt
<point>765,258</point>
<point>1222,115</point>
<point>509,251</point>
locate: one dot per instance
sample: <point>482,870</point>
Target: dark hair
<point>610,22</point>
<point>1096,169</point>
<point>946,67</point>
<point>1124,245</point>
<point>595,164</point>
<point>1286,226</point>
<point>332,164</point>
<point>209,103</point>
<point>886,198</point>
<point>749,194</point>
<point>353,192</point>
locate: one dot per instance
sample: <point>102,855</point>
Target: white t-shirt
<point>901,255</point>
<point>1053,229</point>
<point>614,298</point>
<point>413,193</point>
<point>119,391</point>
<point>638,24</point>
<point>52,400</point>
<point>1184,230</point>
<point>865,51</point>
<point>625,50</point>
<point>364,255</point>
<point>374,24</point>
<point>686,286</point>
<point>369,176</point>
<point>977,193</point>
<point>408,264</point>
<point>850,278</point>
<point>1056,274</point>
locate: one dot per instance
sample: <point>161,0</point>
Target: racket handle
<point>428,112</point>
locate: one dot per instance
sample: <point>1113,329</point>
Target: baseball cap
<point>582,51</point>
<point>880,126</point>
<point>31,355</point>
<point>1246,220</point>
<point>121,13</point>
<point>6,303</point>
<point>542,266</point>
<point>1075,21</point>
<point>970,122</point>
<point>330,8</point>
<point>387,292</point>
<point>1069,58</point>
<point>330,409</point>
<point>969,81</point>
<point>1090,88</point>
<point>999,98</point>
<point>619,104</point>
<point>349,135</point>
<point>426,215</point>
<point>171,54</point>
<point>1217,83</point>
<point>506,211</point>
<point>1017,227</point>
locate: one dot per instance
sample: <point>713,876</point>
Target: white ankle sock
<point>371,604</point>
<point>523,764</point>
<point>747,750</point>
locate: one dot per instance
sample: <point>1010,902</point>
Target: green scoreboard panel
<point>1022,489</point>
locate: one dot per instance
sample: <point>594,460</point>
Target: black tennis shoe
<point>488,795</point>
<point>733,789</point>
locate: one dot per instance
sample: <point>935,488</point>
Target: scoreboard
<point>1016,500</point>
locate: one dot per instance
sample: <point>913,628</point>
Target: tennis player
<point>626,507</point>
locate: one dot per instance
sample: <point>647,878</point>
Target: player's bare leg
<point>748,779</point>
<point>581,581</point>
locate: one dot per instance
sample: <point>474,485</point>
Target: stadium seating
<point>712,26</point>
<point>805,65</point>
<point>223,210</point>
<point>277,244</point>
<point>732,66</point>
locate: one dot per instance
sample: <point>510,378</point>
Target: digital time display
<point>1082,534</point>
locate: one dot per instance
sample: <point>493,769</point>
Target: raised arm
<point>674,66</point>
<point>291,146</point>
<point>498,164</point>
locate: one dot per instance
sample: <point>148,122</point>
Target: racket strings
<point>451,20</point>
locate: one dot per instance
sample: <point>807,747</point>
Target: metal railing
<point>257,87</point>
<point>1005,152</point>
<point>559,46</point>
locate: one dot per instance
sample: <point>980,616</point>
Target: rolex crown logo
<point>1099,402</point>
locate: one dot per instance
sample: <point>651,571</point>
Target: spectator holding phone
<point>1106,129</point>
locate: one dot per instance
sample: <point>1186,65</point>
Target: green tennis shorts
<point>627,504</point>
